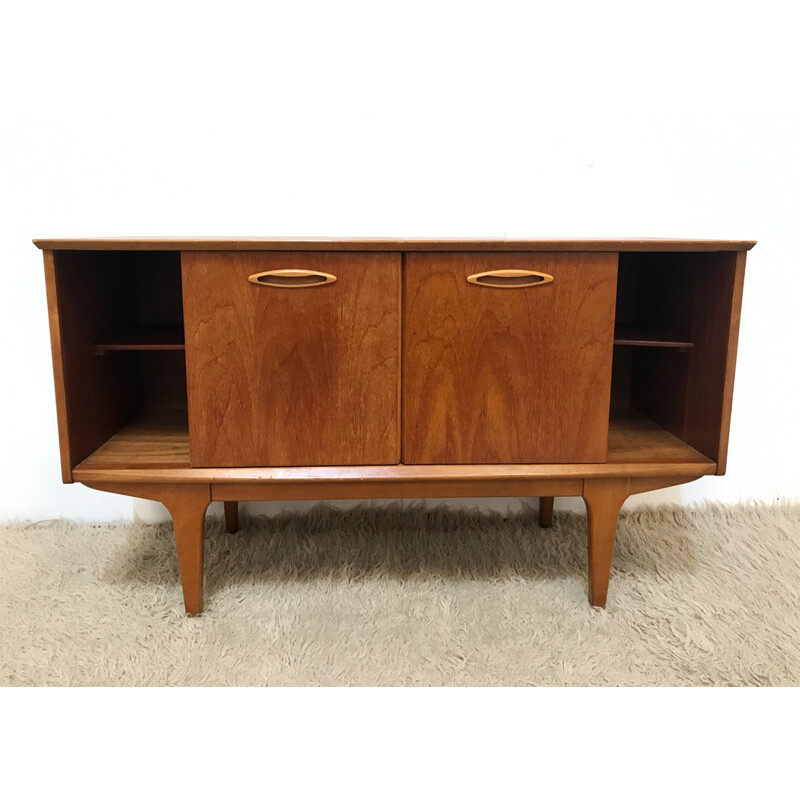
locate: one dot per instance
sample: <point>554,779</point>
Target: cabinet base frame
<point>187,504</point>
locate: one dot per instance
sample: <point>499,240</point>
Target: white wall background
<point>401,119</point>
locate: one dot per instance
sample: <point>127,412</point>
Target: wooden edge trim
<point>267,491</point>
<point>394,490</point>
<point>164,492</point>
<point>309,476</point>
<point>58,366</point>
<point>730,364</point>
<point>400,245</point>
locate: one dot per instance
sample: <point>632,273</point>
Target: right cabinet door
<point>504,366</point>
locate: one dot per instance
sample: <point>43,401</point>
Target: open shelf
<point>121,338</point>
<point>635,338</point>
<point>672,322</point>
<point>633,438</point>
<point>167,336</point>
<point>155,440</point>
<point>160,440</point>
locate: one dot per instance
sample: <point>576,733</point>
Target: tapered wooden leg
<point>187,504</point>
<point>231,516</point>
<point>545,512</point>
<point>604,498</point>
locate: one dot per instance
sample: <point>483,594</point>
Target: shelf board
<point>635,439</point>
<point>646,339</point>
<point>154,440</point>
<point>170,337</point>
<point>157,443</point>
<point>144,337</point>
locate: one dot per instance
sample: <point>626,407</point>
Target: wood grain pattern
<point>155,448</point>
<point>603,499</point>
<point>496,376</point>
<point>281,376</point>
<point>187,506</point>
<point>398,480</point>
<point>154,440</point>
<point>395,245</point>
<point>635,439</point>
<point>376,482</point>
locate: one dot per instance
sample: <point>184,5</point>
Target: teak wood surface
<point>507,375</point>
<point>155,447</point>
<point>294,388</point>
<point>292,377</point>
<point>396,245</point>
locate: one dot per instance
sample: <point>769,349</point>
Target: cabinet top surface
<point>443,245</point>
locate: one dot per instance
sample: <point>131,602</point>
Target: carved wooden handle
<point>292,278</point>
<point>510,278</point>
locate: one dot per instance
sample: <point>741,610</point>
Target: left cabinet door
<point>292,368</point>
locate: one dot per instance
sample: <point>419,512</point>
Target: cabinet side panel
<point>58,365</point>
<point>717,311</point>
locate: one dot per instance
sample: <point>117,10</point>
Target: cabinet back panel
<point>281,376</point>
<point>501,375</point>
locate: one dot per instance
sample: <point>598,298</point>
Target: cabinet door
<point>293,370</point>
<point>507,368</point>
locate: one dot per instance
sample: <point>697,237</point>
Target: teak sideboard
<point>193,370</point>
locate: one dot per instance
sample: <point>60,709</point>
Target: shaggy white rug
<point>405,596</point>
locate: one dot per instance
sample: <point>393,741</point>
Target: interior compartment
<point>121,325</point>
<point>672,330</point>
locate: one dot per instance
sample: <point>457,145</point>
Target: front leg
<point>187,504</point>
<point>604,498</point>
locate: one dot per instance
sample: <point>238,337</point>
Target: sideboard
<point>195,370</point>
